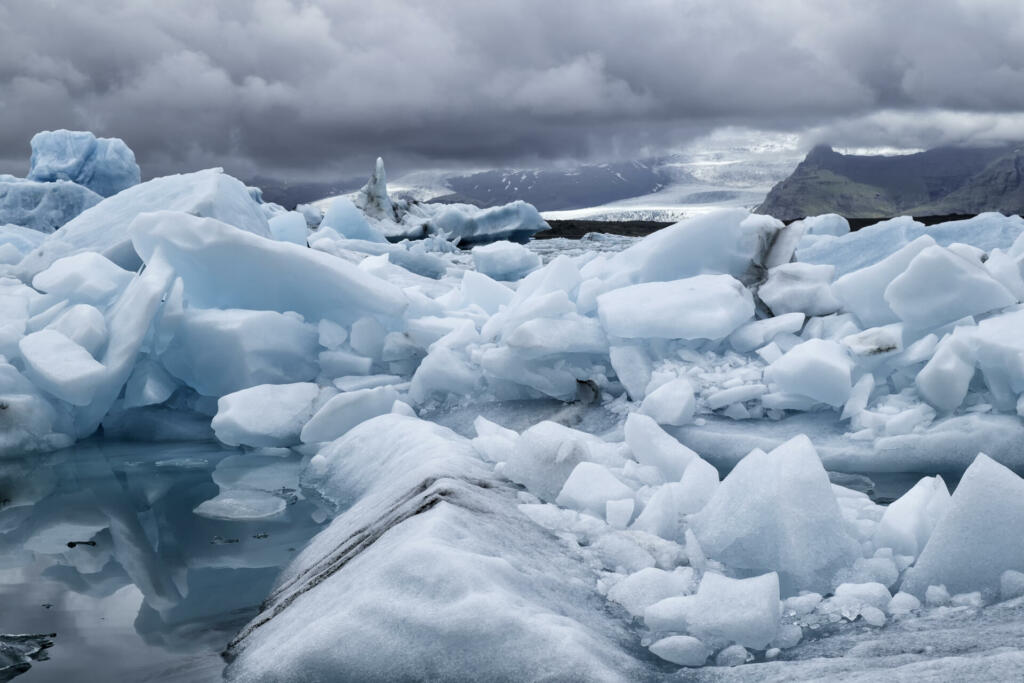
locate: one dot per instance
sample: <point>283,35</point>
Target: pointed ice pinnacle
<point>373,198</point>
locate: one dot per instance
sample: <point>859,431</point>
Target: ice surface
<point>421,544</point>
<point>701,307</point>
<point>104,165</point>
<point>777,512</point>
<point>42,207</point>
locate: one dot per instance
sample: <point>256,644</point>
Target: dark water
<point>163,589</point>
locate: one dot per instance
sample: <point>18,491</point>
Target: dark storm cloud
<point>283,86</point>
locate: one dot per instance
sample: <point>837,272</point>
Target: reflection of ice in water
<point>149,588</point>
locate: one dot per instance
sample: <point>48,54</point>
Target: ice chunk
<point>632,366</point>
<point>619,513</point>
<point>776,511</point>
<point>862,292</point>
<point>1000,348</point>
<point>908,521</point>
<point>331,334</point>
<point>265,415</point>
<point>681,650</point>
<point>344,218</point>
<point>505,260</point>
<point>724,610</point>
<point>149,384</point>
<point>373,198</point>
<point>967,289</point>
<point>86,277</point>
<point>1011,584</point>
<point>84,325</point>
<point>827,224</point>
<point>344,411</point>
<point>589,487</point>
<point>104,228</point>
<point>697,486</point>
<point>546,337</point>
<point>22,239</point>
<point>663,514</point>
<point>317,285</point>
<point>129,320</point>
<point>546,454</point>
<point>514,221</point>
<point>242,505</point>
<point>700,307</point>
<point>42,207</point>
<point>873,593</point>
<point>756,334</point>
<point>60,366</point>
<point>670,404</point>
<point>652,445</point>
<point>969,548</point>
<point>902,604</point>
<point>104,165</point>
<point>288,227</point>
<point>818,369</point>
<point>217,352</point>
<point>799,287</point>
<point>481,290</point>
<point>730,241</point>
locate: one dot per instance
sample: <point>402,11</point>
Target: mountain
<point>998,187</point>
<point>945,180</point>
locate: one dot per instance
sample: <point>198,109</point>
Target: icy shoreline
<point>185,309</point>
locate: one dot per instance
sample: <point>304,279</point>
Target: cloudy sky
<point>303,89</point>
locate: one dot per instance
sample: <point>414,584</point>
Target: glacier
<point>654,452</point>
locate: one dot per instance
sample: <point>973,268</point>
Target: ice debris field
<point>671,469</point>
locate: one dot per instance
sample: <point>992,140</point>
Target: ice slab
<point>104,165</point>
<point>104,228</point>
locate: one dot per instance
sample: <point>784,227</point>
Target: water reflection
<point>100,544</point>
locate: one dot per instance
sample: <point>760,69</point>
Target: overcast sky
<point>304,89</point>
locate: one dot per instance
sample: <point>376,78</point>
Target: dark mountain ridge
<point>945,180</point>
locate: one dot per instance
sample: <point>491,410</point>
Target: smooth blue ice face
<point>104,165</point>
<point>42,206</point>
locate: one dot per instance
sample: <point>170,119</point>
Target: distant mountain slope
<point>998,187</point>
<point>934,181</point>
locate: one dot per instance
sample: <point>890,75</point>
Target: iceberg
<point>104,165</point>
<point>42,207</point>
